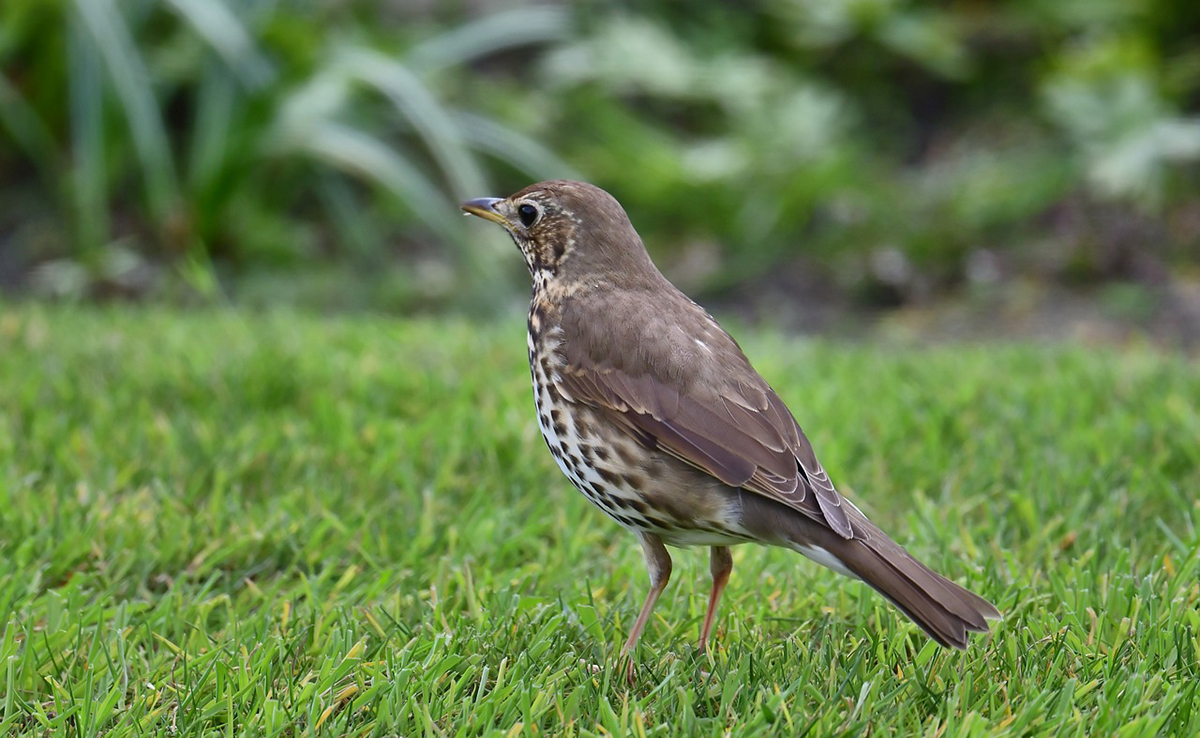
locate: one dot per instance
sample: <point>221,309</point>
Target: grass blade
<point>415,103</point>
<point>127,71</point>
<point>356,152</point>
<point>216,99</point>
<point>521,152</point>
<point>224,32</point>
<point>524,26</point>
<point>27,130</point>
<point>90,184</point>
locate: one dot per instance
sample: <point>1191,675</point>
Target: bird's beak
<point>485,207</point>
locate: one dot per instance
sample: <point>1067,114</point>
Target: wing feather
<point>746,438</point>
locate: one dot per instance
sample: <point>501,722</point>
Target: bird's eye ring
<point>527,213</point>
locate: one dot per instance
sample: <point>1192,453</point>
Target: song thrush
<point>655,414</point>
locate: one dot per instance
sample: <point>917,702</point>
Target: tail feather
<point>944,610</point>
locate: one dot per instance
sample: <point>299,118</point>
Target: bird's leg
<point>720,564</point>
<point>658,563</point>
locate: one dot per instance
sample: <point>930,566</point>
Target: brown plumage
<point>656,415</point>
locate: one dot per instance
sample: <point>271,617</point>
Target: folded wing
<point>743,435</point>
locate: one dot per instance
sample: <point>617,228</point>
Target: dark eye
<point>527,213</point>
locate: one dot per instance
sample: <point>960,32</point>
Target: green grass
<point>224,524</point>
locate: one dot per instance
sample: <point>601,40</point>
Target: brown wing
<point>744,435</point>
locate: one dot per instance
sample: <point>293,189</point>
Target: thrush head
<point>568,231</point>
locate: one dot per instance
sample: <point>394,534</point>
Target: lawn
<point>221,523</point>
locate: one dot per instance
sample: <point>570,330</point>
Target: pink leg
<point>720,564</point>
<point>658,562</point>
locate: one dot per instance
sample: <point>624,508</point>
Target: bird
<point>656,415</point>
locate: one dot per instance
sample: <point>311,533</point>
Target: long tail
<point>944,610</point>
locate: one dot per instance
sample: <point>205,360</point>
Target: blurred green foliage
<point>911,147</point>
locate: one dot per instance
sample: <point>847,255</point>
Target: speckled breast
<point>640,488</point>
